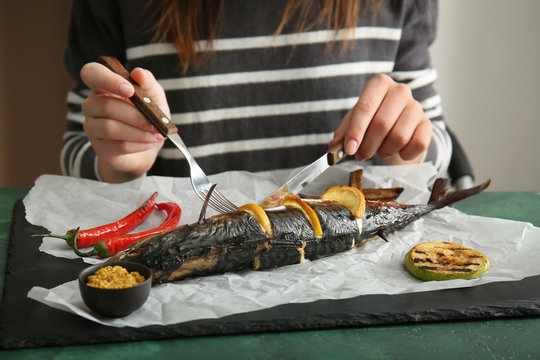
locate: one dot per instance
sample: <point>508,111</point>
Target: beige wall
<point>488,57</point>
<point>33,88</point>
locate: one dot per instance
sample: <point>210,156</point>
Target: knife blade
<point>299,181</point>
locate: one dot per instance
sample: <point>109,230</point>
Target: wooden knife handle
<point>139,98</point>
<point>336,154</point>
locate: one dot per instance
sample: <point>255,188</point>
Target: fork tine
<point>225,202</point>
<point>220,201</point>
<point>217,201</point>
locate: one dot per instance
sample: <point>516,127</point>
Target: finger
<point>97,76</point>
<point>151,87</point>
<point>125,157</point>
<point>108,129</point>
<point>384,120</point>
<point>110,149</point>
<point>114,108</point>
<point>339,133</point>
<point>144,78</point>
<point>402,131</point>
<point>419,142</point>
<point>363,111</point>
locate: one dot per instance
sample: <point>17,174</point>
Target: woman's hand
<point>125,142</point>
<point>387,121</point>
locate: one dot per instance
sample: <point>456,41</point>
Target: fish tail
<point>440,198</point>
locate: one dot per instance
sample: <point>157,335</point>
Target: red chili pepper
<point>115,244</point>
<point>89,237</point>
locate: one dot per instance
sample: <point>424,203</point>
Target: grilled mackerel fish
<point>298,231</point>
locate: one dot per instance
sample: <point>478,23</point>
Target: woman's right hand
<point>125,142</point>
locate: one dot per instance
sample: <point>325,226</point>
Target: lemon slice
<point>260,215</point>
<point>437,260</point>
<point>350,197</point>
<point>309,213</point>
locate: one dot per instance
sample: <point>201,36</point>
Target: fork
<point>200,182</point>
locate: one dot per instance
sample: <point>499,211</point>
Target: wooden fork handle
<point>152,112</point>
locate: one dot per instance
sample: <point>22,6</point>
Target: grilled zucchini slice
<point>437,260</point>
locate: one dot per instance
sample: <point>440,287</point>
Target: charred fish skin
<point>220,244</point>
<point>341,231</point>
<point>381,220</point>
<point>234,241</point>
<point>291,229</point>
<point>294,240</point>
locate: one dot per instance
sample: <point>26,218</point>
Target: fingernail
<point>159,137</point>
<point>351,146</point>
<point>125,90</point>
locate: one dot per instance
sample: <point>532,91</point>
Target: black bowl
<point>115,302</point>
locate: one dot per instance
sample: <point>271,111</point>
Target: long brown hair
<point>184,22</point>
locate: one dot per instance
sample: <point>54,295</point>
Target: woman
<point>251,85</point>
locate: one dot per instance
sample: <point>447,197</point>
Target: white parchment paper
<point>61,203</point>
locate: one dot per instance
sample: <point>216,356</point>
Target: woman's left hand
<point>387,121</point>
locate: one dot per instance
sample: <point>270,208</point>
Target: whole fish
<point>236,240</point>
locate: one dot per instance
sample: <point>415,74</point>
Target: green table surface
<point>516,338</point>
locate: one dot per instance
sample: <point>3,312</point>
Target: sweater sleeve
<point>413,67</point>
<point>94,30</point>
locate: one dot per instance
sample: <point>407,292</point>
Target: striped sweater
<point>261,102</point>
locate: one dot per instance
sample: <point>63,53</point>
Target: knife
<point>157,117</point>
<point>299,181</point>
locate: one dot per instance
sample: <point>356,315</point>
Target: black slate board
<point>26,323</point>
